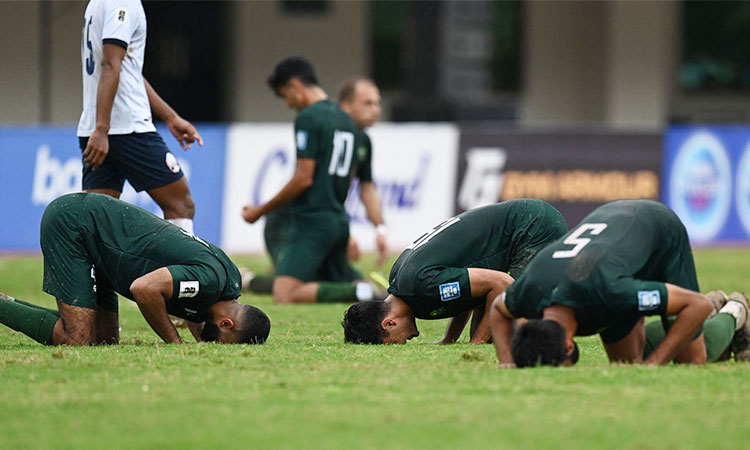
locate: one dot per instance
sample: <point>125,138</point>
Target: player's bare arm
<point>455,328</point>
<point>97,147</point>
<point>195,329</point>
<point>151,292</point>
<point>181,129</point>
<point>371,201</point>
<point>691,308</point>
<point>489,284</point>
<point>301,180</point>
<point>502,331</point>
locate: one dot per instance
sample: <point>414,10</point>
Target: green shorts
<point>315,250</point>
<point>275,231</point>
<point>69,273</point>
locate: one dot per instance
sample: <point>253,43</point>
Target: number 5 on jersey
<point>578,241</point>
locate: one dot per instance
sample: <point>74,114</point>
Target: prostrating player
<point>360,98</point>
<point>626,260</point>
<point>458,266</point>
<point>95,245</point>
<point>116,134</point>
<point>315,245</point>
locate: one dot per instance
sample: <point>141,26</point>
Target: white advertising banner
<point>413,166</point>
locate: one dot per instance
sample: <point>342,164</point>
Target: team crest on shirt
<point>648,300</point>
<point>437,312</point>
<point>121,16</point>
<point>189,289</point>
<point>449,291</point>
<point>172,163</point>
<point>301,140</point>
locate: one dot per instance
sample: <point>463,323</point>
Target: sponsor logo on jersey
<point>700,185</point>
<point>361,153</point>
<point>648,300</point>
<point>189,289</point>
<point>301,140</point>
<point>450,291</point>
<point>172,163</point>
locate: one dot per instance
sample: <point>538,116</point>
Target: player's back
<point>631,238</point>
<point>496,237</point>
<point>125,242</point>
<point>327,134</point>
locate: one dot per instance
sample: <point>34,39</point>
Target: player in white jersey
<point>117,137</point>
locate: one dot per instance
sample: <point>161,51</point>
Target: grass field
<point>306,389</point>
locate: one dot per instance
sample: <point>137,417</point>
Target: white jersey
<point>120,22</point>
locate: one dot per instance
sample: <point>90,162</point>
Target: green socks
<point>717,333</point>
<point>336,292</point>
<point>262,284</point>
<point>34,321</point>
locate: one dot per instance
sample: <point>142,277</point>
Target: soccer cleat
<point>741,341</point>
<point>718,299</point>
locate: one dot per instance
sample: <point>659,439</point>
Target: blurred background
<point>575,102</point>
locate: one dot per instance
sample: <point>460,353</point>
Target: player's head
<point>360,98</point>
<point>542,342</point>
<point>374,323</point>
<point>247,325</point>
<point>289,79</point>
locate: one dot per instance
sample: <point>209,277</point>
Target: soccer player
<point>116,134</point>
<point>95,245</point>
<point>460,265</point>
<point>360,98</point>
<point>315,244</point>
<point>626,260</point>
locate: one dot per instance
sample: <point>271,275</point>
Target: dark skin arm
<point>691,309</point>
<point>151,292</point>
<point>301,181</point>
<point>97,147</point>
<point>195,329</point>
<point>489,284</point>
<point>502,331</point>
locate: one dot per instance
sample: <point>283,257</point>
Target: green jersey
<point>431,275</point>
<point>95,245</point>
<point>610,269</point>
<point>326,134</point>
<point>362,166</point>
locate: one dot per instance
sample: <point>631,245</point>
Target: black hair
<point>255,326</point>
<point>540,342</point>
<point>292,67</point>
<point>362,323</point>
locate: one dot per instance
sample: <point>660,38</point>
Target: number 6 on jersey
<point>579,242</point>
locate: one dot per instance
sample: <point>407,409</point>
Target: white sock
<point>364,292</point>
<point>185,224</point>
<point>737,310</point>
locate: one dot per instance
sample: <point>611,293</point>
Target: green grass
<point>306,389</point>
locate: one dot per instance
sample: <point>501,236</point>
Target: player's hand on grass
<point>251,213</point>
<point>184,132</point>
<point>97,149</point>
<point>507,365</point>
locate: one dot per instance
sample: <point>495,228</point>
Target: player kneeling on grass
<point>95,246</point>
<point>628,259</point>
<point>458,267</point>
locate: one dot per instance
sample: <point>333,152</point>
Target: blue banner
<point>706,181</point>
<point>39,164</point>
